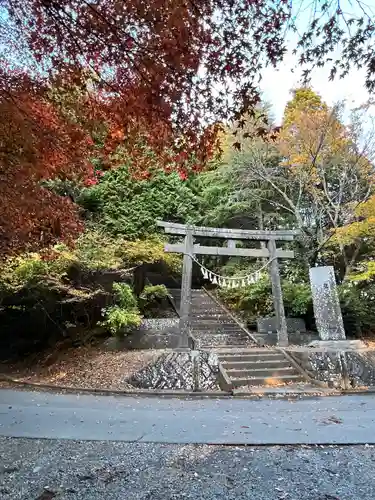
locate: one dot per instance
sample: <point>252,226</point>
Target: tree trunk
<point>139,278</point>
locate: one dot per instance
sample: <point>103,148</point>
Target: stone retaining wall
<point>330,367</point>
<point>176,370</point>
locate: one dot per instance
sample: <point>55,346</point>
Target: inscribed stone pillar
<point>326,303</point>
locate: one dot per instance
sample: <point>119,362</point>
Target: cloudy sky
<point>276,84</point>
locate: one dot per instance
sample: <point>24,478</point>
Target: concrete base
<point>338,345</point>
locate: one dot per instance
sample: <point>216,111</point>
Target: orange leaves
<point>148,54</point>
<point>36,143</point>
<point>117,134</point>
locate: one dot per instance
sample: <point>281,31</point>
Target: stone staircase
<point>241,361</point>
<point>212,327</point>
<point>267,367</point>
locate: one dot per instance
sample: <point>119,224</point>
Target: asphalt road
<point>327,420</point>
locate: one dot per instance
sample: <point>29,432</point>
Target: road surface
<point>328,420</point>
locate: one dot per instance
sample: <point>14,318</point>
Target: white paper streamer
<point>224,282</point>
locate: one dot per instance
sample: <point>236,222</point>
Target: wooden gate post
<point>187,271</point>
<point>282,332</point>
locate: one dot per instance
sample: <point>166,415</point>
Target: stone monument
<point>326,303</point>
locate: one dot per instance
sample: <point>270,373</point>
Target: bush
<point>357,307</point>
<point>149,251</point>
<point>95,250</point>
<point>297,299</point>
<point>256,300</point>
<point>252,301</point>
<point>152,298</point>
<point>124,296</point>
<point>119,321</point>
<point>122,317</point>
<point>129,207</point>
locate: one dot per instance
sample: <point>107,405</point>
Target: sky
<point>277,84</point>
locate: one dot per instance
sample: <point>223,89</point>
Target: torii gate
<point>270,251</point>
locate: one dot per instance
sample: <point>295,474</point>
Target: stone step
<point>220,342</point>
<point>268,373</point>
<point>257,365</point>
<point>207,316</point>
<point>212,346</point>
<point>209,313</point>
<point>258,356</point>
<point>223,322</point>
<point>219,333</point>
<point>234,339</point>
<point>217,329</point>
<point>231,329</point>
<point>239,382</point>
<point>205,305</point>
<point>202,298</point>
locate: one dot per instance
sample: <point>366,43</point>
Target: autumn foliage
<point>128,75</point>
<point>36,144</point>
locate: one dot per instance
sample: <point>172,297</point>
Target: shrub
<point>152,298</point>
<point>357,307</point>
<point>119,321</point>
<point>297,299</point>
<point>96,250</point>
<point>122,317</point>
<point>256,300</point>
<point>128,207</point>
<point>124,296</point>
<point>154,293</point>
<point>253,301</point>
<point>149,251</point>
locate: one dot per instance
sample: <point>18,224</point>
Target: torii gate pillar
<point>185,305</point>
<point>188,249</point>
<point>277,294</point>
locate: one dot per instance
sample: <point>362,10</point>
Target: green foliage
<point>297,298</point>
<point>31,270</point>
<point>255,300</point>
<point>63,187</point>
<point>96,251</point>
<point>152,298</point>
<point>149,251</point>
<point>367,272</point>
<point>124,296</point>
<point>154,293</point>
<point>129,207</point>
<point>122,317</point>
<point>119,321</point>
<point>357,306</point>
<point>28,268</point>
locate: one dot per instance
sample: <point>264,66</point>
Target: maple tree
<point>186,63</point>
<point>36,144</point>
